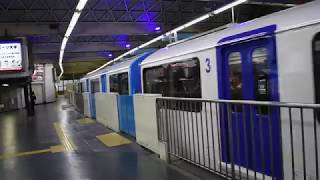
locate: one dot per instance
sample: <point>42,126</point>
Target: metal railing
<point>242,139</point>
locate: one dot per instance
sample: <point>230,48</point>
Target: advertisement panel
<point>10,56</point>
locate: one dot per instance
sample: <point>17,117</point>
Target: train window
<point>155,81</point>
<point>179,79</point>
<point>261,72</point>
<point>95,86</point>
<point>316,66</point>
<point>119,83</point>
<point>235,76</point>
<point>113,81</point>
<point>83,87</point>
<point>123,84</point>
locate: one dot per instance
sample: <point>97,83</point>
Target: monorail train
<point>273,58</point>
<point>122,78</point>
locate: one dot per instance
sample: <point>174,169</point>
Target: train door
<point>248,71</point>
<point>125,103</point>
<point>103,82</point>
<point>94,87</point>
<point>316,66</point>
<point>316,70</point>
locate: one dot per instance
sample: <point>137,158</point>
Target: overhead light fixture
<point>75,17</point>
<point>158,28</point>
<point>5,85</point>
<point>186,25</point>
<point>110,55</point>
<point>81,5</point>
<point>229,6</point>
<point>128,46</point>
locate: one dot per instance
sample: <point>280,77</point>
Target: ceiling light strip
<point>76,15</point>
<point>186,25</point>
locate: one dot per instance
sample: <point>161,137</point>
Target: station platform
<point>58,143</point>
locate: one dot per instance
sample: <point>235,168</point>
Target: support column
<point>31,101</point>
<point>26,99</point>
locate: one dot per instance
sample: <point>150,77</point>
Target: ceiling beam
<point>82,28</point>
<point>69,57</point>
<point>26,29</point>
<point>114,28</point>
<point>87,28</point>
<point>82,47</point>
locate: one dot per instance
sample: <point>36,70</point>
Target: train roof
<point>123,66</point>
<point>284,20</point>
<point>116,68</point>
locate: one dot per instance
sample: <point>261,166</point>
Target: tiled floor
<point>26,150</point>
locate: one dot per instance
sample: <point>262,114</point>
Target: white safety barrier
<point>146,121</point>
<point>86,104</point>
<point>109,111</point>
<point>101,110</point>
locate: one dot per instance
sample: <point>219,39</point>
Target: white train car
<point>109,92</point>
<point>272,58</point>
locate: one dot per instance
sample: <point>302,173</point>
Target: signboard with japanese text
<point>10,56</point>
<point>38,72</point>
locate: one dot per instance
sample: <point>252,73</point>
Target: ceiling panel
<point>105,27</point>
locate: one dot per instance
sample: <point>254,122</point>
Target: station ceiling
<point>108,26</point>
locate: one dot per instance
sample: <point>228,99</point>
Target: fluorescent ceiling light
<point>188,24</point>
<point>63,44</point>
<point>81,5</point>
<point>229,6</point>
<point>75,17</point>
<point>5,85</point>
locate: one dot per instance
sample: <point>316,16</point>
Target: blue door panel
<point>122,113</point>
<point>87,85</point>
<point>131,120</point>
<point>103,80</point>
<point>126,115</point>
<point>92,101</point>
<point>125,102</point>
<point>256,138</point>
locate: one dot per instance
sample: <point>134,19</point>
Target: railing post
<point>162,131</point>
<point>229,111</point>
<point>167,134</point>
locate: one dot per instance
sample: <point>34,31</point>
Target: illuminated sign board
<point>10,56</point>
<point>38,72</point>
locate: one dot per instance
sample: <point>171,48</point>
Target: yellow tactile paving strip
<point>52,149</point>
<point>67,145</point>
<point>64,138</point>
<point>113,139</point>
<point>12,155</point>
<point>57,149</point>
<point>85,121</point>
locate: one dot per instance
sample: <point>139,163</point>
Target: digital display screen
<point>10,56</point>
